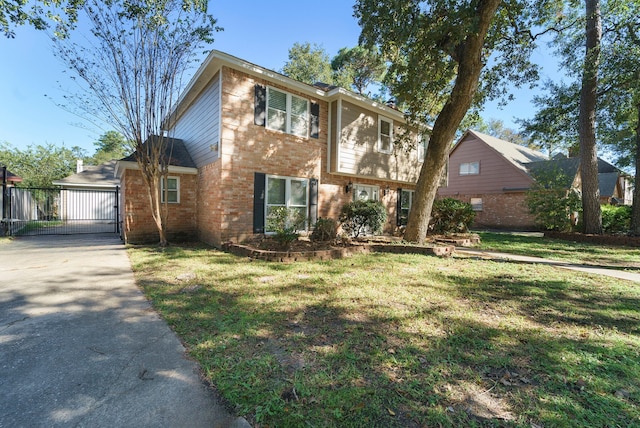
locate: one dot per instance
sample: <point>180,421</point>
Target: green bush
<point>362,217</point>
<point>285,223</point>
<point>450,215</point>
<point>616,219</point>
<point>325,229</point>
<point>552,200</point>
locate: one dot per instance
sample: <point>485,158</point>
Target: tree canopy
<point>445,56</point>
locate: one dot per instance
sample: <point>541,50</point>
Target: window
<point>423,143</point>
<point>287,113</point>
<point>362,192</point>
<point>288,192</point>
<point>406,200</point>
<point>170,190</point>
<point>476,204</point>
<point>385,135</point>
<point>470,168</point>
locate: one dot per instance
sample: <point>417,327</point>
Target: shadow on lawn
<point>288,346</point>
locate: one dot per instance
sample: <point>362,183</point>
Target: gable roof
<point>518,156</point>
<point>607,182</point>
<point>175,151</point>
<point>217,59</point>
<point>102,175</point>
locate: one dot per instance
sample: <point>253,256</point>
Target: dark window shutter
<point>398,206</point>
<point>313,202</point>
<point>260,108</point>
<point>259,184</point>
<point>315,120</point>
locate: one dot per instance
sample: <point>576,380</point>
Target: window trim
<point>468,171</point>
<point>478,205</point>
<point>375,188</point>
<point>379,143</point>
<point>422,148</point>
<point>288,112</point>
<point>411,196</point>
<point>287,197</point>
<point>177,190</point>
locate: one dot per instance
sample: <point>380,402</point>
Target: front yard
<point>403,340</point>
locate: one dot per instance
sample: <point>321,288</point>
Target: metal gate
<point>56,211</point>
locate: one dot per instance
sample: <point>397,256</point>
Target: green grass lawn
<point>386,340</point>
<point>557,249</point>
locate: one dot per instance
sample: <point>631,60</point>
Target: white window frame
<point>375,190</point>
<point>411,195</point>
<point>177,189</point>
<point>380,135</point>
<point>476,204</point>
<point>422,147</point>
<point>288,112</point>
<point>469,168</point>
<point>287,197</point>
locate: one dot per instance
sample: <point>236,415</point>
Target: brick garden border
<point>334,253</point>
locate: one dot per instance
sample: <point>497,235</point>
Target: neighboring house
<point>494,175</point>
<point>259,140</point>
<point>90,193</point>
<point>10,178</point>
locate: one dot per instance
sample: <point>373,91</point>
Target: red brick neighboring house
<point>494,176</point>
<point>259,140</point>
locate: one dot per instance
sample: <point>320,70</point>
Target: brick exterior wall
<point>217,204</point>
<point>225,194</point>
<point>502,211</point>
<point>138,224</point>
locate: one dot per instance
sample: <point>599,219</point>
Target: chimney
<point>79,166</point>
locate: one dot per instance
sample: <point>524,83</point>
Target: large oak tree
<point>447,55</point>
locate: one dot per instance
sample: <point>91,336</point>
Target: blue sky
<point>30,71</point>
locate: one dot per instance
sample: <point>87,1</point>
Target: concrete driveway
<point>81,346</point>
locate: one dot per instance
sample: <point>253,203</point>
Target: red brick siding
<point>138,224</point>
<point>502,211</point>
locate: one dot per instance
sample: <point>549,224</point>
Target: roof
<point>607,182</point>
<point>175,151</point>
<point>12,178</point>
<point>98,175</point>
<point>217,59</point>
<point>518,156</point>
<point>568,166</point>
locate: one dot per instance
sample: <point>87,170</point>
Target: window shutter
<point>258,202</point>
<point>260,107</point>
<point>315,120</point>
<point>313,202</point>
<point>398,206</point>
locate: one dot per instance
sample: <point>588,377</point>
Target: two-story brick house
<point>257,139</point>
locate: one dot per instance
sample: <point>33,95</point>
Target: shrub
<point>552,200</point>
<point>363,217</point>
<point>616,219</point>
<point>450,215</point>
<point>325,229</point>
<point>285,223</point>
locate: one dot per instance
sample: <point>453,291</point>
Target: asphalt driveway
<point>81,346</point>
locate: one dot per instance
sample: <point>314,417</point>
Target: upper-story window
<point>470,168</point>
<point>287,113</point>
<point>385,135</point>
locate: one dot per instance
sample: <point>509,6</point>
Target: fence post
<point>118,209</point>
<point>4,201</point>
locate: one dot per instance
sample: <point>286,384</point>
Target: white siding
<point>199,126</point>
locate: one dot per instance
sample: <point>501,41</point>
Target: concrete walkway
<point>597,270</point>
<point>80,345</point>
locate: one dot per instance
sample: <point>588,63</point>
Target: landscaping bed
<point>268,249</point>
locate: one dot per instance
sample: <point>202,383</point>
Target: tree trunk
<point>591,214</point>
<point>635,210</point>
<point>470,63</point>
